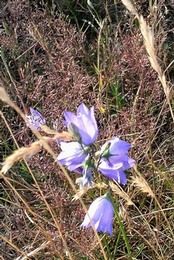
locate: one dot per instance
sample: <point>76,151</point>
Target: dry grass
<point>149,42</point>
<point>125,71</point>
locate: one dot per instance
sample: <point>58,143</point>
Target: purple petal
<point>101,213</point>
<point>93,213</point>
<point>79,170</point>
<point>70,117</point>
<point>87,130</point>
<point>114,159</point>
<point>86,179</point>
<point>35,119</point>
<point>72,155</point>
<point>129,164</point>
<point>108,167</point>
<point>114,171</point>
<point>73,166</point>
<point>85,123</point>
<point>118,146</point>
<point>121,177</point>
<point>82,110</point>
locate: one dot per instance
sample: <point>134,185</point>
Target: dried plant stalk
<point>65,136</point>
<point>4,96</point>
<point>26,153</point>
<point>34,252</point>
<point>116,189</point>
<point>130,7</point>
<point>84,190</point>
<point>149,42</point>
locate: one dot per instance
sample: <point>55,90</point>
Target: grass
<point>114,55</point>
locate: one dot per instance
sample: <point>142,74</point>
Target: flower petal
<point>100,213</point>
<point>118,146</point>
<point>85,123</point>
<point>82,110</point>
<point>128,164</point>
<point>70,117</point>
<point>114,171</point>
<point>35,119</point>
<point>72,155</point>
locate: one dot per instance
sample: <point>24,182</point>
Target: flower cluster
<point>80,156</point>
<point>111,161</point>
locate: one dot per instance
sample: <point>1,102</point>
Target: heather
<point>94,184</point>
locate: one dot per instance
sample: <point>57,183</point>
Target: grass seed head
<point>141,184</point>
<point>22,153</point>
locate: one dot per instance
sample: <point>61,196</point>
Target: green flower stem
<point>122,229</point>
<point>117,242</point>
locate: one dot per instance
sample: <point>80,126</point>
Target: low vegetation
<point>118,57</point>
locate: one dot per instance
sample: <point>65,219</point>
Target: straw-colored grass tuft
<point>141,184</point>
<point>149,42</point>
